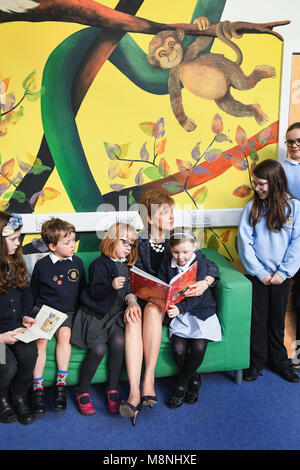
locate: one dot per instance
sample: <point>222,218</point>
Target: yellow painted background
<point>114,106</point>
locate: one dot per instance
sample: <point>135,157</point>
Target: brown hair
<point>114,234</point>
<point>13,270</point>
<point>55,229</point>
<point>181,234</point>
<point>151,199</point>
<point>294,125</point>
<point>277,201</point>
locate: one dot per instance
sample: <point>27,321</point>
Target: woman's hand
<point>133,312</point>
<point>118,282</point>
<point>8,337</point>
<point>28,321</point>
<point>173,311</point>
<point>276,279</point>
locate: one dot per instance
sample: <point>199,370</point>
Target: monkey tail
<point>224,34</point>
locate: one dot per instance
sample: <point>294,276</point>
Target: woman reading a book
<point>17,359</point>
<point>143,331</point>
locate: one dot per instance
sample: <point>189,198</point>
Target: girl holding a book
<point>143,332</point>
<point>192,321</point>
<point>17,359</point>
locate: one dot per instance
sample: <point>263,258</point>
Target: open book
<point>154,290</point>
<point>47,321</point>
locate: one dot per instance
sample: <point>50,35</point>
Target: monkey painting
<point>206,75</point>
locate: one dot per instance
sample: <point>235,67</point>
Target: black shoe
<point>127,410</point>
<point>177,397</point>
<point>37,401</point>
<point>295,366</point>
<point>60,397</point>
<point>287,374</point>
<point>7,413</point>
<point>251,374</point>
<point>24,413</point>
<point>149,400</point>
<point>194,385</point>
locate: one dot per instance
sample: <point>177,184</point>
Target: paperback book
<point>48,320</point>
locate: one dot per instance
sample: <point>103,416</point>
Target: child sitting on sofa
<point>57,281</point>
<point>99,321</point>
<point>193,320</point>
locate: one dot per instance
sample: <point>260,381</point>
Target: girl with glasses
<point>269,246</point>
<point>99,320</point>
<point>291,167</point>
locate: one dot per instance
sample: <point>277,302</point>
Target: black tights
<point>188,362</point>
<point>95,355</point>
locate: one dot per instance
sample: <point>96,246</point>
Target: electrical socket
<point>40,220</point>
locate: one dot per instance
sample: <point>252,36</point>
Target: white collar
<point>116,260</point>
<point>185,267</point>
<point>55,258</point>
<point>293,162</point>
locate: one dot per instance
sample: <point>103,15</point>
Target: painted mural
<point>106,99</point>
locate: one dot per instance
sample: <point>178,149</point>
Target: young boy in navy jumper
<point>57,280</point>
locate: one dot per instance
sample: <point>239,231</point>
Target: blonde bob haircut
<point>115,233</point>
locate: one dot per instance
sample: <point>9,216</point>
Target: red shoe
<point>113,405</point>
<point>85,408</point>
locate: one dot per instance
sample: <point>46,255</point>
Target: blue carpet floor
<point>263,415</point>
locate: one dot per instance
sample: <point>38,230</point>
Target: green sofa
<point>233,295</point>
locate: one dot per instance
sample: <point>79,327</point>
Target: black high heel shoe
<point>127,410</point>
<point>149,400</point>
<point>191,395</point>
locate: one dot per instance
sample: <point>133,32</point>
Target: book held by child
<point>154,290</point>
<point>47,321</point>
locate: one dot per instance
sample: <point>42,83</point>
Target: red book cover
<point>154,290</point>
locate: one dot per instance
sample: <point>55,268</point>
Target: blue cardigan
<point>203,306</point>
<point>14,305</point>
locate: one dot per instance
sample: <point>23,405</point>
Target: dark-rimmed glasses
<point>126,243</point>
<point>290,142</point>
<point>259,185</point>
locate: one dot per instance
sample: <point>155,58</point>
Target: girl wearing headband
<point>17,359</point>
<point>192,321</point>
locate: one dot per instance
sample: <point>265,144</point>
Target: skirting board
<point>99,221</point>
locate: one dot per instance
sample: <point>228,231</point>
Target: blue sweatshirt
<point>292,171</point>
<point>264,252</point>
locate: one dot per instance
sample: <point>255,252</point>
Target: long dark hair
<point>13,270</point>
<point>278,199</point>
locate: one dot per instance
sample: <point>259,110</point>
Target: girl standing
<point>99,320</point>
<point>15,308</point>
<point>269,246</point>
<point>193,320</point>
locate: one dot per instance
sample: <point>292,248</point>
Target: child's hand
<point>267,280</point>
<point>276,279</point>
<point>28,321</point>
<point>8,337</point>
<point>118,282</point>
<point>173,311</point>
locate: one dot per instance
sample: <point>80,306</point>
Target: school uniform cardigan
<point>58,284</point>
<point>144,261</point>
<point>203,306</point>
<point>99,296</point>
<point>14,305</point>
